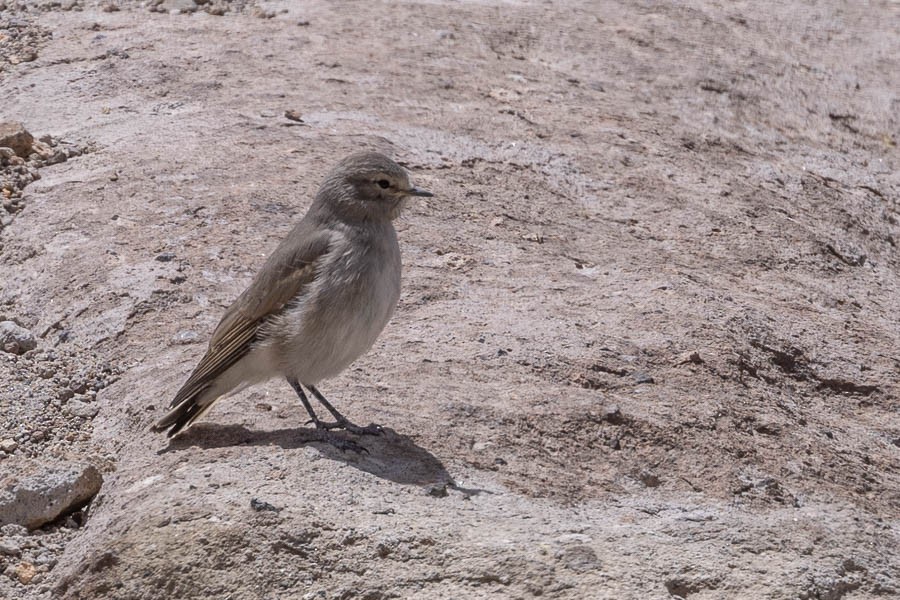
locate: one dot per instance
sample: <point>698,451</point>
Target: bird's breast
<point>342,314</point>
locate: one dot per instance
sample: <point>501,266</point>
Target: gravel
<point>21,157</point>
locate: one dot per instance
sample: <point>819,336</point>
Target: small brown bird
<point>318,303</point>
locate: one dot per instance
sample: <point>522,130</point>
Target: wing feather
<point>283,277</point>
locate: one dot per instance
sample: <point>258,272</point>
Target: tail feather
<point>188,409</point>
<point>195,397</point>
<point>202,389</point>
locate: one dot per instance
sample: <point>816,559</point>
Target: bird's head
<point>367,185</point>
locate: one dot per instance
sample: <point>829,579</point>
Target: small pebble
<point>641,377</point>
<point>9,548</point>
<point>438,491</point>
<point>259,505</point>
<point>293,115</point>
<point>81,409</point>
<point>186,337</point>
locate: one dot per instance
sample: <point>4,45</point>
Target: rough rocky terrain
<point>647,343</point>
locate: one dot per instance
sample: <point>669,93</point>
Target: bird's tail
<point>189,404</point>
<point>211,380</point>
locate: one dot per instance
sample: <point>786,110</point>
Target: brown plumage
<point>320,299</point>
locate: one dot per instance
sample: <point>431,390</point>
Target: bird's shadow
<point>390,456</point>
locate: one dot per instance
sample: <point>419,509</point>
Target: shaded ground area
<point>647,340</point>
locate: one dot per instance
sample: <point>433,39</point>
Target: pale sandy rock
<point>46,495</point>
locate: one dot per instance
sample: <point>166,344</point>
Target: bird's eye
<point>384,184</point>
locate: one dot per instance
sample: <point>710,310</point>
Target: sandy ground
<point>647,342</point>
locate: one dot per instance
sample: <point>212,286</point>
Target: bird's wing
<point>292,266</point>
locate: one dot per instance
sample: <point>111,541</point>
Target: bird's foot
<point>370,429</point>
<point>342,444</point>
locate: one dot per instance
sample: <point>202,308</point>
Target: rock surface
<point>646,346</point>
<point>44,496</point>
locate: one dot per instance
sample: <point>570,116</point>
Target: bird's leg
<point>341,422</point>
<point>322,429</point>
<point>296,385</point>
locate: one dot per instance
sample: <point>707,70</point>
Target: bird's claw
<point>370,429</point>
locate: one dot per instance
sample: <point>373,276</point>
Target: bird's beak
<point>419,192</point>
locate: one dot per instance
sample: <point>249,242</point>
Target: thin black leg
<point>322,429</point>
<point>342,422</point>
<point>297,388</point>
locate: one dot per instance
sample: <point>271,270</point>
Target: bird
<point>318,303</point>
